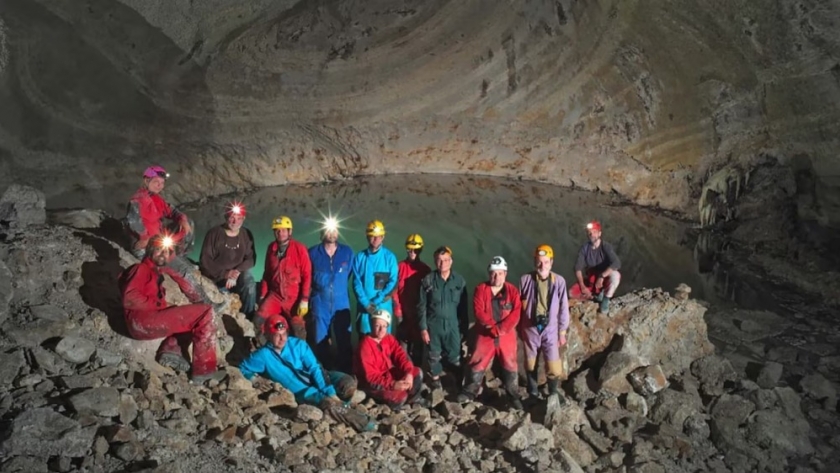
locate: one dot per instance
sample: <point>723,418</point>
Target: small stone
<point>60,464</point>
<point>409,453</point>
<point>682,292</point>
<point>100,446</point>
<point>636,403</point>
<point>10,365</point>
<point>282,398</point>
<point>103,401</point>
<point>437,397</point>
<point>307,413</point>
<point>48,312</point>
<point>75,349</point>
<point>46,361</point>
<point>128,451</point>
<point>77,381</point>
<point>648,380</point>
<point>820,389</point>
<point>107,358</point>
<point>28,380</point>
<point>769,375</point>
<point>451,410</point>
<point>118,434</point>
<point>146,420</point>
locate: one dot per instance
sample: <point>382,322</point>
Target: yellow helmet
<point>375,228</point>
<point>414,242</point>
<point>281,222</point>
<point>544,250</point>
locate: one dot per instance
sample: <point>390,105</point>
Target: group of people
<point>410,318</point>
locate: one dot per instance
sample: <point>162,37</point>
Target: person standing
<point>374,277</point>
<point>410,272</point>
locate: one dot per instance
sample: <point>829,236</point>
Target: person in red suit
<point>287,279</point>
<point>382,367</point>
<point>411,271</point>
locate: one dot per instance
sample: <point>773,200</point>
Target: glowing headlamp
<point>167,242</point>
<point>330,224</point>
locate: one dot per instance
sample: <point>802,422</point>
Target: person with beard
<point>374,277</point>
<point>545,319</point>
<point>598,261</point>
<point>148,316</point>
<point>287,279</point>
<point>410,272</point>
<point>227,256</point>
<point>330,300</point>
<point>497,311</point>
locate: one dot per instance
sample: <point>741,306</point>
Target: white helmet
<point>497,263</point>
<point>381,314</point>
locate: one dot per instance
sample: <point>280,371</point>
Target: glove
<point>303,308</point>
<point>562,339</point>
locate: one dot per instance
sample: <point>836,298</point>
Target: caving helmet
<point>281,222</point>
<point>544,250</point>
<point>414,242</point>
<point>155,171</point>
<point>375,228</point>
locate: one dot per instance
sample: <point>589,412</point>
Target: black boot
<point>511,381</point>
<point>472,388</point>
<point>533,385</point>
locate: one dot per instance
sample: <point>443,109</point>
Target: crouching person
<point>291,363</point>
<point>148,316</point>
<point>383,368</point>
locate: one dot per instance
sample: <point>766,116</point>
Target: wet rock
<point>103,401</point>
<point>648,380</point>
<point>818,388</point>
<point>10,365</point>
<point>769,375</point>
<point>75,349</point>
<point>43,432</point>
<point>713,372</point>
<point>21,206</point>
<point>613,374</point>
<point>307,413</point>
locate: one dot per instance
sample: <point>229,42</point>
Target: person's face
<point>160,256</point>
<point>279,339</point>
<point>411,254</point>
<point>155,184</point>
<point>330,236</point>
<point>497,277</point>
<point>443,262</point>
<point>543,264</point>
<point>380,329</point>
<point>594,235</point>
<point>282,235</point>
<point>234,221</point>
<point>375,242</point>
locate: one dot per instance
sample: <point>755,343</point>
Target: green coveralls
<point>442,310</point>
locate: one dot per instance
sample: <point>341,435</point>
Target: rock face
<point>21,206</point>
<point>262,93</point>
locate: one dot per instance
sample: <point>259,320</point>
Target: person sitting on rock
<point>287,279</point>
<point>374,277</point>
<point>148,316</point>
<point>498,308</point>
<point>146,217</point>
<point>290,362</point>
<point>383,368</point>
<point>227,256</point>
<point>410,272</point>
<point>598,261</point>
<point>545,319</point>
<point>442,316</point>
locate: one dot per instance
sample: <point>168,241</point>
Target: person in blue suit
<point>375,277</point>
<point>329,301</point>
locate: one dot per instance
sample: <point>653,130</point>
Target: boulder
<point>820,389</point>
<point>526,434</point>
<point>769,375</point>
<point>307,413</point>
<point>648,380</point>
<point>75,349</point>
<point>43,432</point>
<point>77,218</point>
<point>10,365</point>
<point>652,325</point>
<point>21,206</point>
<point>713,372</point>
<point>613,373</point>
<point>103,401</point>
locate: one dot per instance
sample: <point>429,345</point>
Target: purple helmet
<point>155,171</point>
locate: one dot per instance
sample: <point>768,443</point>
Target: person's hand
<point>230,283</point>
<point>303,308</point>
<point>232,274</point>
<point>585,292</point>
<point>402,386</point>
<point>424,335</point>
<point>562,338</point>
<point>599,283</point>
<point>494,331</point>
<point>371,309</point>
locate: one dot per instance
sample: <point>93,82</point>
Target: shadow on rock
<point>100,289</point>
<point>241,344</point>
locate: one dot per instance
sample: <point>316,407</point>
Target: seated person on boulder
<point>290,362</point>
<point>148,316</point>
<point>383,368</point>
<point>227,256</point>
<point>599,264</point>
<point>149,215</point>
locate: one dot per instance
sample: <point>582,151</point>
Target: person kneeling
<point>383,368</point>
<point>292,364</point>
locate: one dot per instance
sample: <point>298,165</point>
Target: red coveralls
<point>148,316</point>
<point>286,282</point>
<point>495,328</point>
<point>379,365</point>
<point>406,298</point>
<point>152,210</point>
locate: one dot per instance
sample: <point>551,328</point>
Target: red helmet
<point>594,225</point>
<point>235,208</point>
<point>275,324</point>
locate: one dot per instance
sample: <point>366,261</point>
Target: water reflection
<point>478,218</point>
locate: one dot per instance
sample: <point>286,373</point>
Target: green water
<point>478,218</point>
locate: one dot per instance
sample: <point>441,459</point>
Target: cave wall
<point>640,98</point>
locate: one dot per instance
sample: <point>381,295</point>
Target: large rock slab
<point>652,325</point>
<point>43,432</point>
<point>22,206</point>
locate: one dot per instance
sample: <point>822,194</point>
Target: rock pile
<point>645,394</point>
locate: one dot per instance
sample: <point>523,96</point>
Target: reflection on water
<point>478,218</point>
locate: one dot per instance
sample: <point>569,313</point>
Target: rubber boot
<point>473,387</point>
<point>553,386</point>
<point>510,379</point>
<point>533,385</point>
<point>604,306</point>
